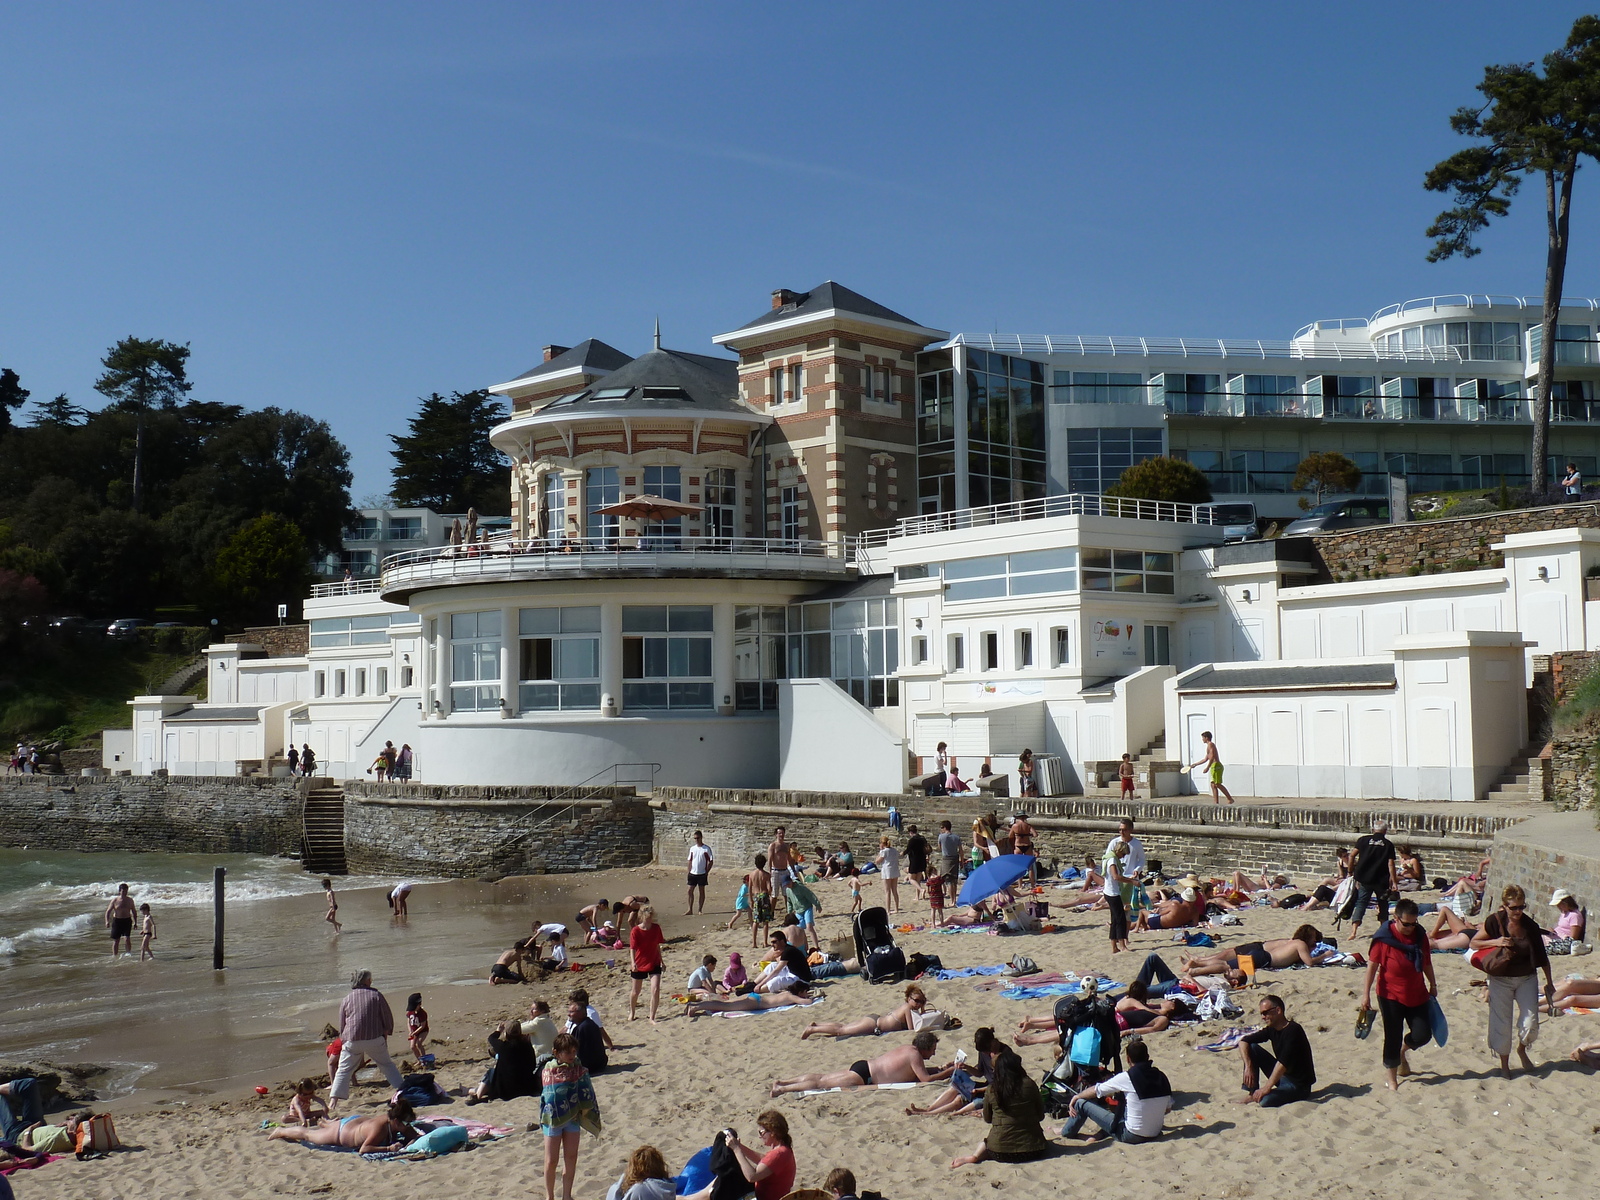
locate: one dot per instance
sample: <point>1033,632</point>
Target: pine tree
<point>141,373</point>
<point>12,395</point>
<point>446,462</point>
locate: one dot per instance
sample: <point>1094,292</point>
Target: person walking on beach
<point>333,907</point>
<point>147,933</point>
<point>119,919</point>
<point>1400,962</point>
<point>1517,954</point>
<point>644,940</point>
<point>365,1026</point>
<point>1374,875</point>
<point>888,860</point>
<point>1213,762</point>
<point>949,857</point>
<point>699,871</point>
<point>779,859</point>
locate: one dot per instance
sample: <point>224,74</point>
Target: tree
<point>140,373</point>
<point>1326,471</point>
<point>265,563</point>
<point>1528,124</point>
<point>60,411</point>
<point>1163,479</point>
<point>12,395</point>
<point>447,463</point>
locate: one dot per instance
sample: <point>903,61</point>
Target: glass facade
<point>1096,458</point>
<point>360,631</point>
<point>936,432</point>
<point>1484,341</point>
<point>475,661</point>
<point>722,500</point>
<point>666,656</point>
<point>1099,387</point>
<point>1005,428</point>
<point>666,483</point>
<point>559,659</point>
<point>1027,573</point>
<point>553,507</point>
<point>600,488</point>
<point>1128,571</point>
<point>855,643</point>
<point>1191,394</point>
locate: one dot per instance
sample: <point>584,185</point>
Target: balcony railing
<point>345,587</point>
<point>1073,504</point>
<point>1148,347</point>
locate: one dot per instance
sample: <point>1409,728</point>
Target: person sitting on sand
<point>904,1064</point>
<point>1290,1070</point>
<point>1015,1112</point>
<point>1410,874</point>
<point>1298,947</point>
<point>1137,1013</point>
<point>555,956</point>
<point>1146,1099</point>
<point>540,1030</point>
<point>390,1131</point>
<point>702,983</point>
<point>307,1107</point>
<point>513,1073</point>
<point>1174,914</point>
<point>646,1178</point>
<point>508,967</point>
<point>965,1093</point>
<point>1450,932</point>
<point>900,1019</point>
<point>770,1175</point>
<point>1570,923</point>
<point>755,1002</point>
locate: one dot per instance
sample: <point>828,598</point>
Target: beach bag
<point>1199,939</point>
<point>1559,946</point>
<point>1085,1047</point>
<point>920,964</point>
<point>930,1018</point>
<point>98,1133</point>
<point>1344,898</point>
<point>1019,965</point>
<point>885,964</point>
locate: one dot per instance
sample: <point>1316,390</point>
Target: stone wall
<point>1573,750</point>
<point>492,831</point>
<point>189,814</point>
<point>1434,545</point>
<point>279,641</point>
<point>1541,854</point>
<point>1299,841</point>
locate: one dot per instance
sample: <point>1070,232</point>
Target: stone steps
<point>323,851</point>
<point>1522,780</point>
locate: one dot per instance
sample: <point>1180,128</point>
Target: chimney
<point>784,296</point>
<point>555,352</point>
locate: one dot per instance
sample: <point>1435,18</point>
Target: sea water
<point>176,1025</point>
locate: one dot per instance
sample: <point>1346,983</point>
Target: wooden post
<point>217,875</point>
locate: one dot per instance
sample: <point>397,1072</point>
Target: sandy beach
<point>1456,1125</point>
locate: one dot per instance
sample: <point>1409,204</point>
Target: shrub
<point>31,716</point>
<point>1163,479</point>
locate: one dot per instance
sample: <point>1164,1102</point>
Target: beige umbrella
<point>649,508</point>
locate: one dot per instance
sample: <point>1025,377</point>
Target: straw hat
<point>1190,880</point>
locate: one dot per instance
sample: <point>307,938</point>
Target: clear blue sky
<point>342,207</point>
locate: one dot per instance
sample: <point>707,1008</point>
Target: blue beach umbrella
<point>994,875</point>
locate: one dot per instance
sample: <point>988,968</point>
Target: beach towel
<point>962,929</point>
<point>568,1096</point>
<point>1039,980</point>
<point>965,972</point>
<point>761,1011</point>
<point>1055,989</point>
<point>1228,1041</point>
<point>477,1130</point>
<point>30,1165</point>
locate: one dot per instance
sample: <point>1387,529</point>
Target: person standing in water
<point>1213,762</point>
<point>147,933</point>
<point>397,899</point>
<point>119,919</point>
<point>333,907</point>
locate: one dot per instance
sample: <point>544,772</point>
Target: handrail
<point>1072,504</point>
<point>1246,348</point>
<point>648,775</point>
<point>345,587</point>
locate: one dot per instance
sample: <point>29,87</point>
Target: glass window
<point>361,681</point>
<point>381,686</point>
<point>667,483</point>
<point>553,507</point>
<point>1128,571</point>
<point>559,659</point>
<point>405,529</point>
<point>1024,648</point>
<point>363,529</point>
<point>339,683</point>
<point>721,502</point>
<point>1061,640</point>
<point>1157,645</point>
<point>789,514</point>
<point>319,684</point>
<point>1096,458</point>
<point>991,651</point>
<point>408,677</point>
<point>666,672</point>
<point>330,631</point>
<point>600,488</point>
<point>958,653</point>
<point>1098,387</point>
<point>475,661</point>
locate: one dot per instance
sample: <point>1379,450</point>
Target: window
<point>667,483</point>
<point>666,656</point>
<point>339,683</point>
<point>319,684</point>
<point>1062,654</point>
<point>553,507</point>
<point>1192,394</point>
<point>371,630</point>
<point>1030,573</point>
<point>936,420</point>
<point>919,651</point>
<point>722,500</point>
<point>1266,396</point>
<point>1128,571</point>
<point>1024,648</point>
<point>405,529</point>
<point>361,681</point>
<point>1096,458</point>
<point>856,643</point>
<point>1005,428</point>
<point>559,659</point>
<point>381,677</point>
<point>797,384</point>
<point>958,653</point>
<point>991,651</point>
<point>600,488</point>
<point>1098,387</point>
<point>1157,645</point>
<point>758,656</point>
<point>408,676</point>
<point>363,529</point>
<point>363,564</point>
<point>789,513</point>
<point>475,661</point>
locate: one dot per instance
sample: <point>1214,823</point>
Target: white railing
<point>1074,504</point>
<point>345,587</point>
<point>1485,300</point>
<point>1146,347</point>
<point>509,556</point>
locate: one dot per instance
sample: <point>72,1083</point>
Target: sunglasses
<point>1516,908</point>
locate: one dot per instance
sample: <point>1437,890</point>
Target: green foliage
<point>1163,479</point>
<point>1326,471</point>
<point>71,690</point>
<point>263,564</point>
<point>1582,705</point>
<point>446,462</point>
<point>59,411</point>
<point>143,373</point>
<point>12,395</point>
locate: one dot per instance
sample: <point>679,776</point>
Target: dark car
<point>1341,514</point>
<point>125,627</point>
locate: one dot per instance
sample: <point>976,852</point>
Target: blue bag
<point>696,1174</point>
<point>1085,1049</point>
<point>1441,1027</point>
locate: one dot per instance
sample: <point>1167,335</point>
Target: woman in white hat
<point>1571,923</point>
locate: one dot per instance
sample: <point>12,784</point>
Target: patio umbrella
<point>649,508</point>
<point>994,876</point>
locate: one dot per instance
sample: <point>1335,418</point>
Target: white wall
<point>116,749</point>
<point>829,743</point>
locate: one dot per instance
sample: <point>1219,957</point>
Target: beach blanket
<point>1228,1041</point>
<point>762,1011</point>
<point>1055,989</point>
<point>965,972</point>
<point>962,929</point>
<point>31,1164</point>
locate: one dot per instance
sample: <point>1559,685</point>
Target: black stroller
<point>881,960</point>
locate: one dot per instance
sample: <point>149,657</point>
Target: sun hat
<point>1560,894</point>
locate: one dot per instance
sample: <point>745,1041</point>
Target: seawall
<point>1541,854</point>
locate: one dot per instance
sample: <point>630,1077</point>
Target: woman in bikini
<point>1137,1014</point>
<point>798,993</point>
<point>1450,932</point>
<point>899,1019</point>
<point>1280,952</point>
<point>366,1134</point>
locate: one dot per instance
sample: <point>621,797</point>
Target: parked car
<point>72,626</point>
<point>1238,521</point>
<point>125,627</point>
<point>1341,514</point>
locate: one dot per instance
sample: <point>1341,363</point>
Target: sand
<point>1456,1128</point>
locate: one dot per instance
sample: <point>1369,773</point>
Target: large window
<point>1352,396</point>
<point>553,507</point>
<point>1096,458</point>
<point>1266,396</point>
<point>1099,387</point>
<point>936,431</point>
<point>667,483</point>
<point>363,529</point>
<point>1486,341</point>
<point>758,656</point>
<point>1192,394</point>
<point>560,659</point>
<point>1128,571</point>
<point>666,656</point>
<point>1005,428</point>
<point>357,631</point>
<point>405,529</point>
<point>722,502</point>
<point>475,661</point>
<point>856,643</point>
<point>1158,645</point>
<point>1027,573</point>
<point>789,514</point>
<point>600,488</point>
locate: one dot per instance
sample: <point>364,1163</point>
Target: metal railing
<point>1484,300</point>
<point>1147,347</point>
<point>1073,504</point>
<point>345,587</point>
<point>585,791</point>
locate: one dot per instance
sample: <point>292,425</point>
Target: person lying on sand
<point>1450,932</point>
<point>905,1064</point>
<point>1276,954</point>
<point>389,1131</point>
<point>1142,1014</point>
<point>1580,993</point>
<point>894,1022</point>
<point>798,994</point>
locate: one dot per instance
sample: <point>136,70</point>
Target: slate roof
<point>701,383</point>
<point>1258,677</point>
<point>827,296</point>
<point>591,353</point>
<point>192,713</point>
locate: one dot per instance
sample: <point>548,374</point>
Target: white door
<point>1247,640</point>
<point>1198,645</point>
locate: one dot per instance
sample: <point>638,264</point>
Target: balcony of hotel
<point>643,556</point>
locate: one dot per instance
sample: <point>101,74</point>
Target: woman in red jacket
<point>1401,964</point>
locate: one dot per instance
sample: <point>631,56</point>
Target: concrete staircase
<point>1155,752</point>
<point>322,852</point>
<point>1524,779</point>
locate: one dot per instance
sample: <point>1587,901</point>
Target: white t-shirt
<point>1144,1116</point>
<point>558,954</point>
<point>1133,865</point>
<point>699,860</point>
<point>401,889</point>
<point>541,1032</point>
<point>889,856</point>
<point>545,931</point>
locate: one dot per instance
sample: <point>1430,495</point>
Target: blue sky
<point>342,207</point>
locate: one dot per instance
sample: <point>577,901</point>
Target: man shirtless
<point>779,860</point>
<point>119,919</point>
<point>905,1064</point>
<point>1174,914</point>
<point>1276,954</point>
<point>1212,761</point>
<point>627,909</point>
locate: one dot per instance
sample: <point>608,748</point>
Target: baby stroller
<point>881,960</point>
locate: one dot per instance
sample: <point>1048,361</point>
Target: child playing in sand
<point>855,891</point>
<point>416,1026</point>
<point>700,985</point>
<point>333,906</point>
<point>306,1108</point>
<point>936,897</point>
<point>556,956</point>
<point>148,930</point>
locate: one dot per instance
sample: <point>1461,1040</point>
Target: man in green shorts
<point>1213,762</point>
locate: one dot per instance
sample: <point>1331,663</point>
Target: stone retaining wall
<point>433,829</point>
<point>279,641</point>
<point>188,814</point>
<point>1544,853</point>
